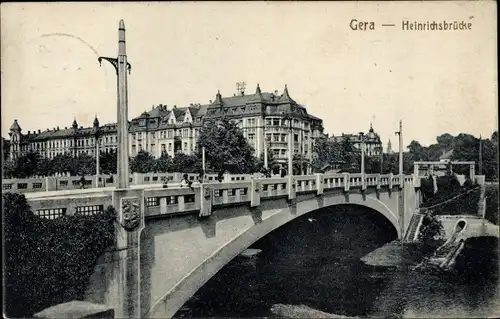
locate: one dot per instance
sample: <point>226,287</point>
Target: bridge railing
<point>170,201</point>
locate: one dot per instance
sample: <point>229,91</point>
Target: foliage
<point>465,147</point>
<point>143,162</point>
<point>108,162</point>
<point>49,261</point>
<point>430,231</point>
<point>163,163</point>
<point>64,163</point>
<point>447,200</point>
<point>272,164</point>
<point>84,164</point>
<point>491,195</point>
<point>186,163</point>
<point>226,148</point>
<point>299,164</point>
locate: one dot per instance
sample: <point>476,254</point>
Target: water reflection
<point>316,262</point>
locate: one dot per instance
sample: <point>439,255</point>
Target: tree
<point>64,163</point>
<point>326,153</point>
<point>85,165</point>
<point>186,163</point>
<point>108,162</point>
<point>45,167</point>
<point>143,162</point>
<point>27,165</point>
<point>163,163</point>
<point>8,169</point>
<point>226,148</point>
<point>272,164</point>
<point>430,232</point>
<point>299,163</point>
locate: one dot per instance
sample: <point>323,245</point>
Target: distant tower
<point>389,147</point>
<point>15,140</point>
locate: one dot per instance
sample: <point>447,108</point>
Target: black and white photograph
<point>259,159</point>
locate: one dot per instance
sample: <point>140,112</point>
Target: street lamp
<point>288,118</point>
<point>97,164</point>
<point>362,146</point>
<point>121,66</point>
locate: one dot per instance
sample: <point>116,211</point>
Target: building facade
<point>265,118</point>
<point>373,144</point>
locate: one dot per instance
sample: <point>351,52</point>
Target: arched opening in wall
<point>312,260</point>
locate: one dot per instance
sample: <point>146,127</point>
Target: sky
<point>434,81</point>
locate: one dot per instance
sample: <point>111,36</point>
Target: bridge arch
<point>195,278</point>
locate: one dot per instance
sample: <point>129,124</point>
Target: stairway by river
<point>413,227</point>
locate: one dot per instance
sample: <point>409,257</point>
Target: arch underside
<point>175,298</point>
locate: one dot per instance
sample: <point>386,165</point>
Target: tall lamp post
<point>288,118</point>
<point>401,178</point>
<point>121,66</point>
<point>362,146</point>
<point>97,164</point>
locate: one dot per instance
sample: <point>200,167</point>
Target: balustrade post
<point>319,183</point>
<point>255,187</point>
<point>206,195</point>
<point>378,180</point>
<point>390,180</point>
<point>347,181</point>
<point>291,187</point>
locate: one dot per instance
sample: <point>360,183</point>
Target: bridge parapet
<point>201,198</point>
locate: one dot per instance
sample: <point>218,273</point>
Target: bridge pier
<point>130,206</point>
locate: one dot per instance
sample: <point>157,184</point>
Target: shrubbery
<point>430,233</point>
<point>449,187</point>
<point>49,261</point>
<point>492,203</point>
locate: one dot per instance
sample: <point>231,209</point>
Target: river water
<point>315,261</point>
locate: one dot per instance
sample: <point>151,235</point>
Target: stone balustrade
<point>202,197</point>
<point>56,183</point>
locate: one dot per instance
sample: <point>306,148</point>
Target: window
<point>89,210</point>
<point>152,135</point>
<point>51,213</point>
<point>170,133</point>
<point>185,146</point>
<point>133,137</point>
<point>163,148</point>
<point>169,147</point>
<point>152,201</point>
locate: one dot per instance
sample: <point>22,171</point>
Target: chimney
<point>39,131</point>
<point>28,132</point>
<point>65,127</point>
<point>210,101</point>
<point>175,106</point>
<point>58,128</point>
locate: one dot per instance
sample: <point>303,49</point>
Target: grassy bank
<point>492,203</point>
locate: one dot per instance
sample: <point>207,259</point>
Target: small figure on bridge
<point>82,182</point>
<point>165,182</point>
<point>220,176</point>
<point>186,182</point>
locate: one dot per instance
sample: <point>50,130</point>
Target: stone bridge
<point>187,235</point>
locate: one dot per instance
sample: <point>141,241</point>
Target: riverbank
<point>301,311</point>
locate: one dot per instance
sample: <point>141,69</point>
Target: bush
<point>49,261</point>
<point>491,194</point>
<point>430,233</point>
